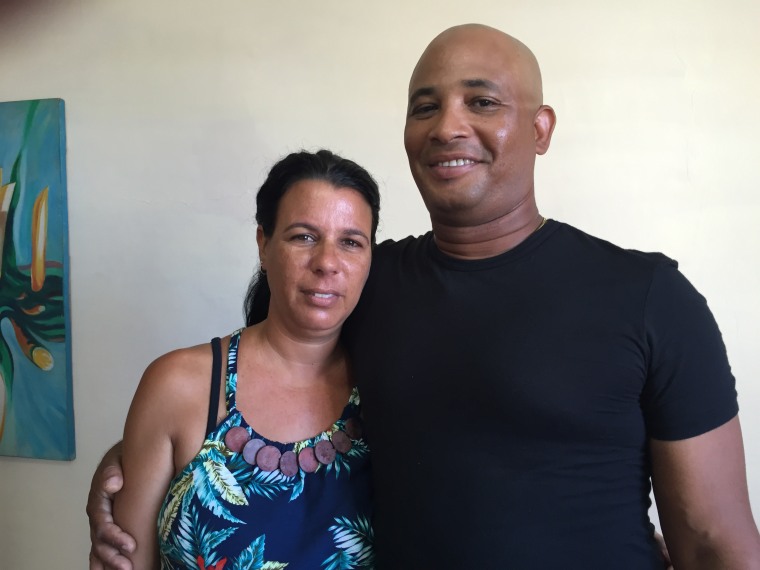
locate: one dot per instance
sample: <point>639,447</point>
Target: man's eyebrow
<point>421,92</point>
<point>487,83</point>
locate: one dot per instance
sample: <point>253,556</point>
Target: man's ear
<point>261,241</point>
<point>543,124</point>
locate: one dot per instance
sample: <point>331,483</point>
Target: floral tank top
<point>245,502</point>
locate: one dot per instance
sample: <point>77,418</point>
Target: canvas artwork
<point>36,401</point>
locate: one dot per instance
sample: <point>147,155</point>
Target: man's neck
<point>486,240</point>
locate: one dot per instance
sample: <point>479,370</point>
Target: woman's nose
<point>325,258</point>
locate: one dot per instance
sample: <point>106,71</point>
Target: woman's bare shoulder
<point>173,394</point>
<point>181,361</point>
<point>182,376</point>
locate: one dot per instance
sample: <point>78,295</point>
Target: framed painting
<point>36,400</point>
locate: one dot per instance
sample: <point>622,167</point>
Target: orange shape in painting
<point>39,239</point>
<point>42,358</point>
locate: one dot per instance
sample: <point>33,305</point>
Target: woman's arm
<point>148,458</point>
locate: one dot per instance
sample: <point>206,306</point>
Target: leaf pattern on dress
<point>354,540</point>
<point>171,507</point>
<point>354,399</point>
<point>198,526</point>
<point>231,388</point>
<point>169,553</point>
<point>358,449</point>
<point>341,560</point>
<point>231,384</point>
<point>192,539</point>
<point>215,485</point>
<point>252,558</point>
<point>269,484</point>
<point>179,493</point>
<point>254,481</point>
<point>299,486</point>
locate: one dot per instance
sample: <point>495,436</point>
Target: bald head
<point>475,123</point>
<point>470,45</point>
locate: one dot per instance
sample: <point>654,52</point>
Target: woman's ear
<point>262,241</point>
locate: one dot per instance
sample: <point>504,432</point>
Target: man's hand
<point>108,541</point>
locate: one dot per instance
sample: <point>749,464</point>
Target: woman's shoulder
<point>181,361</point>
<point>178,381</point>
<point>180,367</point>
<point>173,397</point>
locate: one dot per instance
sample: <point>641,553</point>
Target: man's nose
<point>450,123</point>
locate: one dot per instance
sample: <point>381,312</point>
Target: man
<point>521,380</point>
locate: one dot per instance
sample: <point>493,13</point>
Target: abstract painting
<point>36,400</point>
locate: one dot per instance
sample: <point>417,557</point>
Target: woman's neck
<point>296,360</point>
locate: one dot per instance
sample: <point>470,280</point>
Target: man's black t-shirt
<point>508,401</point>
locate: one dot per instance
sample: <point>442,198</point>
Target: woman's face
<point>317,258</point>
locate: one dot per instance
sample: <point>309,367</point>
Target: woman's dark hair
<point>298,166</point>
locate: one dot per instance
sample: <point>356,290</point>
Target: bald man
<point>522,381</point>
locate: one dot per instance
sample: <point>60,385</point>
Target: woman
<point>224,488</point>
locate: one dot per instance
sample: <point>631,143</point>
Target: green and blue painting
<point>36,400</point>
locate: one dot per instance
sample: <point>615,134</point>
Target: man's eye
<point>483,103</point>
<point>303,237</point>
<point>351,243</point>
<point>423,109</point>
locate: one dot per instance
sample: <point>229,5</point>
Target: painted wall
<point>175,110</point>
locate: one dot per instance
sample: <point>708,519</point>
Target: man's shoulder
<point>582,243</point>
<point>392,247</point>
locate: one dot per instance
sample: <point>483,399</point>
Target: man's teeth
<point>457,162</point>
<point>322,295</point>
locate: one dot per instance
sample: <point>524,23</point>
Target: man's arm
<point>108,541</point>
<point>700,486</point>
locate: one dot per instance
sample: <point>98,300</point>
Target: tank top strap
<point>231,382</point>
<point>216,374</point>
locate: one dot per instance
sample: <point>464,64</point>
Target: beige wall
<point>175,109</point>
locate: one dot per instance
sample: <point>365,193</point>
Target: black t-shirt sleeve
<point>689,389</point>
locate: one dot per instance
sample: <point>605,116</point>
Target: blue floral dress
<point>245,502</point>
